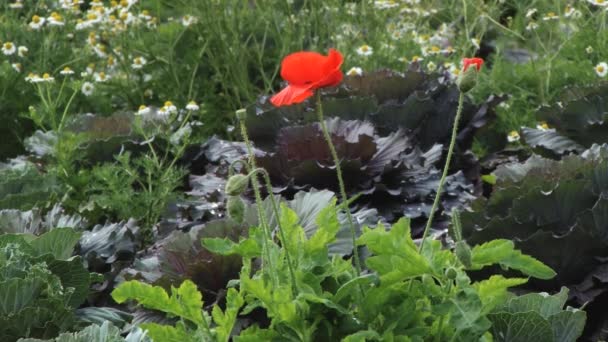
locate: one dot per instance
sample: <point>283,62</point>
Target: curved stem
<point>258,197</point>
<point>275,208</point>
<point>445,171</point>
<point>334,154</point>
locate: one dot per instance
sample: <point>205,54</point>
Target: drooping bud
<point>463,253</point>
<point>237,184</point>
<point>236,208</point>
<point>468,77</point>
<point>451,273</point>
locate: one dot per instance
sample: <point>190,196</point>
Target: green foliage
<point>406,294</point>
<point>105,332</point>
<point>23,186</point>
<point>40,284</point>
<point>184,303</point>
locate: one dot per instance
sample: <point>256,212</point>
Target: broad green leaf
<point>520,327</point>
<point>185,302</point>
<point>493,291</point>
<point>17,294</point>
<point>59,242</point>
<point>568,325</point>
<point>73,275</point>
<point>542,303</point>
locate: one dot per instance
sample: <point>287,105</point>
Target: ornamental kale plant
<point>573,124</point>
<point>556,212</point>
<point>41,284</point>
<point>389,130</point>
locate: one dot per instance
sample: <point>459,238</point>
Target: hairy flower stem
<point>258,199</point>
<point>334,155</point>
<point>445,171</point>
<point>275,208</point>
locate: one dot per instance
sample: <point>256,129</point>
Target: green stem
<point>275,208</point>
<point>258,197</point>
<point>334,155</point>
<point>445,171</point>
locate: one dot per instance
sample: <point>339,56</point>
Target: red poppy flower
<point>467,62</point>
<point>306,72</point>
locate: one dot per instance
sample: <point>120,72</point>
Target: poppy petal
<point>303,67</point>
<point>291,94</point>
<point>331,69</point>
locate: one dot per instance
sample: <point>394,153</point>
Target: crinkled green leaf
<point>184,302</point>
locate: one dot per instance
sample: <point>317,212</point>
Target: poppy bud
<point>467,80</point>
<point>468,76</point>
<point>236,208</point>
<point>463,253</point>
<point>241,114</point>
<point>451,273</point>
<point>237,184</point>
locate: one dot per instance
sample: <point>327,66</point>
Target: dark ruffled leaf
<point>579,117</point>
<point>106,244</point>
<point>549,139</point>
<point>555,211</point>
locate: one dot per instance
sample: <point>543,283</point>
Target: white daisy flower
<point>531,12</point>
<point>32,78</point>
<point>22,51</point>
<point>167,108</point>
<point>513,137</point>
<point>542,126</point>
<point>431,66</point>
<point>601,69</point>
<point>550,16</point>
<point>355,71</point>
<point>531,26</point>
<point>87,88</point>
<point>589,49</point>
<point>138,62</point>
<point>143,110</point>
<point>66,71</point>
<point>8,48</point>
<point>36,22</point>
<point>100,77</point>
<point>46,77</point>
<point>55,19</point>
<point>17,66</point>
<point>569,11</point>
<point>365,50</point>
<point>193,106</point>
<point>188,20</point>
<point>18,4</point>
<point>601,3</point>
